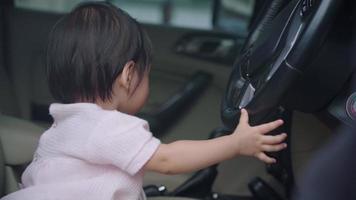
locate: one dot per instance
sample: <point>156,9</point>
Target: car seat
<point>18,143</point>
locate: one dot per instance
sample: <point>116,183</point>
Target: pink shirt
<point>88,153</point>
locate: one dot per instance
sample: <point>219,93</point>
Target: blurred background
<point>182,13</point>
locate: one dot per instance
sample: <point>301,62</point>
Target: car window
<point>56,6</point>
<point>181,13</point>
<point>195,14</point>
<point>234,15</point>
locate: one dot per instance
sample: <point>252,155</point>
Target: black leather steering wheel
<point>273,58</point>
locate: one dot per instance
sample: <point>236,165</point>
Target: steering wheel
<point>275,56</point>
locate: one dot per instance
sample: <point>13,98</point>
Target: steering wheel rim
<point>270,64</point>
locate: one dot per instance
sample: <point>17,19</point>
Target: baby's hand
<point>252,141</point>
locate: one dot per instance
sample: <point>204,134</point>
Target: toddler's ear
<point>127,75</point>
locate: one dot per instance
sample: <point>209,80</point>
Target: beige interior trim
<point>11,184</point>
<point>19,140</point>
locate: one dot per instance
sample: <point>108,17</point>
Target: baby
<point>98,64</point>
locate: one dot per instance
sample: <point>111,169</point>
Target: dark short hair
<point>88,49</point>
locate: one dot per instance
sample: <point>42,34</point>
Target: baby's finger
<point>273,139</point>
<point>265,128</point>
<point>263,157</point>
<point>244,116</point>
<point>273,148</point>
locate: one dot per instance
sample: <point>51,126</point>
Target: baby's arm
<point>187,156</point>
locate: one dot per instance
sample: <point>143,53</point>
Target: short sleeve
<point>127,146</point>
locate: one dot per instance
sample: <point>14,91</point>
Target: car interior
<point>288,59</point>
